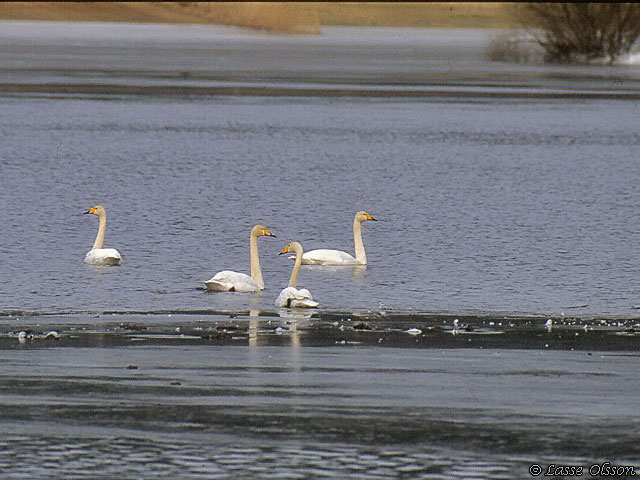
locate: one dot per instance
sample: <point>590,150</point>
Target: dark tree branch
<point>572,32</point>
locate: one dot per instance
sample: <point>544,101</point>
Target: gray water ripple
<point>134,457</point>
<point>511,213</point>
<point>382,136</point>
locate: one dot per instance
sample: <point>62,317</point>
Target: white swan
<point>325,256</point>
<point>98,255</point>
<point>229,281</point>
<point>291,296</point>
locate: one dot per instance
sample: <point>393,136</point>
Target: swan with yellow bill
<point>98,255</point>
<point>324,256</point>
<point>230,281</point>
<point>291,296</point>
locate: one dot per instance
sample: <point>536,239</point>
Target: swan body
<point>291,296</point>
<point>295,298</point>
<point>98,255</point>
<point>230,281</point>
<point>103,256</point>
<point>324,256</point>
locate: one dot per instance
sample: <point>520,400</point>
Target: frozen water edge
<point>307,328</point>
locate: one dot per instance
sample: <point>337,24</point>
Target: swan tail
<point>304,303</point>
<point>215,286</point>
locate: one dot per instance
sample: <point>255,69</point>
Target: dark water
<point>215,411</point>
<point>506,195</point>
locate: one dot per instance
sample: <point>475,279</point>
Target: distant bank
<point>289,17</point>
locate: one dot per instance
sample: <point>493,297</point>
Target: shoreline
<point>428,92</point>
<point>288,17</point>
<point>39,58</point>
<point>318,329</point>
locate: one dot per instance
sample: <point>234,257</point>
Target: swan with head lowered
<point>324,256</point>
<point>98,255</point>
<point>292,296</point>
<point>229,281</point>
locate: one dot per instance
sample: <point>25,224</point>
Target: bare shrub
<point>582,32</point>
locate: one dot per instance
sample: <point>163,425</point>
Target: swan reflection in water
<point>261,328</point>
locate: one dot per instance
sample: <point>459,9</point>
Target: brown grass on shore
<point>419,14</point>
<point>289,17</point>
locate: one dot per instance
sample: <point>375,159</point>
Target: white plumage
<point>230,281</point>
<point>291,296</point>
<point>98,255</point>
<point>324,256</point>
<point>103,256</point>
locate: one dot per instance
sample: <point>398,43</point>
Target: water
<point>216,412</point>
<point>505,195</point>
<point>513,206</point>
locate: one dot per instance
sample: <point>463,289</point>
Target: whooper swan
<point>229,281</point>
<point>98,255</point>
<point>325,256</point>
<point>291,296</point>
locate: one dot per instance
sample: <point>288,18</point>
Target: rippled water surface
<point>216,412</point>
<point>513,206</point>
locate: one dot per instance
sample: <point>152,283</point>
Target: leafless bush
<point>571,32</point>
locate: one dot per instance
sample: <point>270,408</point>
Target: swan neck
<point>361,256</point>
<point>293,281</point>
<point>256,271</point>
<point>101,229</point>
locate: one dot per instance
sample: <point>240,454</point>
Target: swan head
<point>97,210</point>
<point>292,247</point>
<point>362,216</point>
<point>260,230</point>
